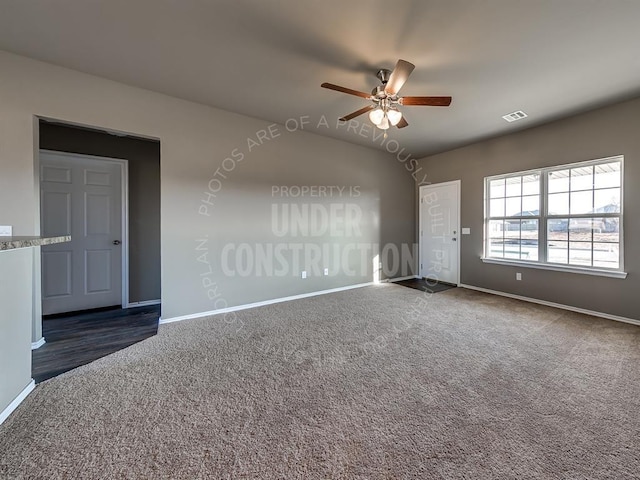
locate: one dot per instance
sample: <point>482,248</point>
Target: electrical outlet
<point>518,276</point>
<point>6,231</point>
<point>326,271</point>
<point>304,274</point>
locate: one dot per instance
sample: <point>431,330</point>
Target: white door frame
<point>421,193</point>
<point>124,201</point>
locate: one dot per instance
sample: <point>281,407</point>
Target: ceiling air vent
<point>513,116</point>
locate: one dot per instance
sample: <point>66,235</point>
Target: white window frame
<point>543,217</point>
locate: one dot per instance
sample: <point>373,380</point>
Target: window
<point>568,216</point>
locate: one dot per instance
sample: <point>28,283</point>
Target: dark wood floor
<point>425,285</point>
<point>81,338</point>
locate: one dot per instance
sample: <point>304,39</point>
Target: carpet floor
<point>379,382</point>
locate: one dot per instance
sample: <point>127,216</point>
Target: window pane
<point>529,228</point>
<point>531,205</point>
<point>612,237</point>
<point>558,204</point>
<point>607,200</point>
<point>580,228</point>
<point>529,250</point>
<point>496,188</point>
<point>610,232</point>
<point>606,255</point>
<point>496,248</point>
<point>557,252</point>
<point>496,242</point>
<point>607,175</point>
<point>531,184</point>
<point>581,202</point>
<point>496,207</point>
<point>582,178</point>
<point>514,187</point>
<point>514,207</point>
<point>512,229</point>
<point>558,181</point>
<point>512,252</point>
<point>557,228</point>
<point>529,239</point>
<point>512,239</point>
<point>580,253</point>
<point>496,229</point>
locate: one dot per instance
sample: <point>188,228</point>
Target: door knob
<point>117,242</point>
<point>454,239</point>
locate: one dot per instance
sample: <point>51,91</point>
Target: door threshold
<point>81,312</point>
<point>439,282</point>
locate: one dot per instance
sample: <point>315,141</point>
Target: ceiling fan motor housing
<point>382,98</point>
<point>378,91</point>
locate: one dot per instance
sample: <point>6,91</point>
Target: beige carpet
<point>378,382</point>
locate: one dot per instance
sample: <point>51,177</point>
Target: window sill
<point>557,268</point>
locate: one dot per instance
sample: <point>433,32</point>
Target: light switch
<point>466,231</point>
<point>6,230</point>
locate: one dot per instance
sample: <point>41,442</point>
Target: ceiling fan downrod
<point>383,75</point>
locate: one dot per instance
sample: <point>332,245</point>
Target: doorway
<point>84,197</point>
<point>439,225</point>
<point>134,274</point>
<point>141,245</point>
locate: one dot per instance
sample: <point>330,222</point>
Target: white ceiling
<point>267,58</point>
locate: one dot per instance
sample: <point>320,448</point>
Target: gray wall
<point>600,133</point>
<point>15,303</point>
<point>144,196</point>
<point>242,214</point>
<point>195,141</point>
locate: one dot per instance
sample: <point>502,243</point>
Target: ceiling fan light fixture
<point>385,98</point>
<point>394,115</point>
<point>376,116</point>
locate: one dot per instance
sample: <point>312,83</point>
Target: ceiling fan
<point>383,111</point>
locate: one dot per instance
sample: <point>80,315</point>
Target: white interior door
<point>439,232</point>
<point>82,197</point>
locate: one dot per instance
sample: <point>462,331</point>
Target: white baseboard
<point>144,303</point>
<point>17,401</point>
<point>38,344</point>
<point>608,316</point>
<point>261,304</point>
<point>400,279</point>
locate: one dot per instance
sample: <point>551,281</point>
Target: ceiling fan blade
<point>402,123</point>
<point>430,101</point>
<point>338,88</point>
<point>357,113</point>
<point>398,77</point>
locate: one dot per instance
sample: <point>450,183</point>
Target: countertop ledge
<point>11,243</point>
